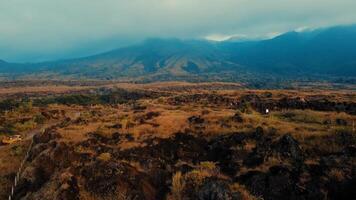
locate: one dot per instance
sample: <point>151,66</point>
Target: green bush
<point>39,119</point>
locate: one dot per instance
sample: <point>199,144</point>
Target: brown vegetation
<point>180,141</point>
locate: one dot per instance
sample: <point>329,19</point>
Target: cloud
<point>222,37</point>
<point>41,29</point>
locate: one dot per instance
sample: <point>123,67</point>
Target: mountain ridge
<point>326,52</point>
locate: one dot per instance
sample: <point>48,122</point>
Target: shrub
<point>246,108</point>
<point>197,176</point>
<point>8,129</point>
<point>208,166</point>
<point>245,194</point>
<point>104,156</point>
<point>337,174</point>
<point>8,104</point>
<point>204,170</point>
<point>305,116</point>
<point>182,184</point>
<point>25,107</point>
<point>17,150</point>
<point>25,126</point>
<point>178,184</point>
<point>39,119</point>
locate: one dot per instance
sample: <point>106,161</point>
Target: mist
<point>39,30</point>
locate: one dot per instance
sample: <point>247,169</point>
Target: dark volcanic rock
<point>341,122</point>
<point>109,178</point>
<point>196,120</point>
<point>182,146</point>
<point>45,137</point>
<point>69,188</point>
<point>288,147</point>
<point>237,118</point>
<point>213,189</point>
<point>145,172</point>
<point>221,150</point>
<point>258,133</point>
<point>277,183</point>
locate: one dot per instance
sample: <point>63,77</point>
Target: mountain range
<point>321,54</point>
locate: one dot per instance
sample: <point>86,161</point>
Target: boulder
<point>45,137</point>
<point>195,120</point>
<point>105,178</point>
<point>68,189</point>
<point>288,147</point>
<point>214,189</point>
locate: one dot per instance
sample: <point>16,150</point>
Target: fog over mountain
<point>321,54</point>
<point>41,30</point>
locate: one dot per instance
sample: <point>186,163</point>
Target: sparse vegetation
<point>245,194</point>
<point>104,156</point>
<point>178,185</point>
<point>172,142</point>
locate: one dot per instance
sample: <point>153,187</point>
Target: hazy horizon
<point>39,30</point>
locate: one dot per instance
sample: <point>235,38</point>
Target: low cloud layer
<point>32,30</point>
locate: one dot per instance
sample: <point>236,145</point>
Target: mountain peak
<point>288,36</point>
<point>325,52</point>
<point>2,62</point>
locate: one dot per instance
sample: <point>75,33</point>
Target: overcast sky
<point>34,30</point>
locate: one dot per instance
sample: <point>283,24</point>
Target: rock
<point>99,137</point>
<point>255,181</point>
<point>277,183</point>
<point>116,126</point>
<point>196,120</point>
<point>327,122</point>
<point>258,133</point>
<point>342,189</point>
<point>260,153</point>
<point>69,188</point>
<point>116,137</point>
<point>213,189</point>
<point>151,115</point>
<point>105,178</point>
<point>45,137</point>
<point>237,118</point>
<point>129,137</point>
<point>37,149</point>
<point>253,160</point>
<point>63,153</point>
<point>350,151</point>
<point>341,122</point>
<point>280,183</point>
<point>288,147</point>
<point>345,138</point>
<point>81,121</point>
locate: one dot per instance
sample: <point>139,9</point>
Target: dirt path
<point>9,163</point>
<point>29,134</point>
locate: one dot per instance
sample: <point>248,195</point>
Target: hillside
<point>319,54</point>
<point>328,52</point>
<point>153,57</point>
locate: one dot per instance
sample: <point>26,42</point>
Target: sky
<point>39,30</point>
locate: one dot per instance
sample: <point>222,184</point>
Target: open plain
<point>177,140</point>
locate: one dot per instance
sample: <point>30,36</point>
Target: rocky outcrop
<point>214,189</point>
<point>105,178</point>
<point>146,172</point>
